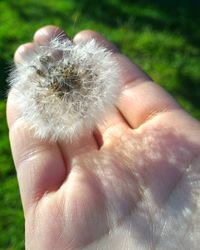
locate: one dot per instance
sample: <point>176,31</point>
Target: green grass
<point>162,37</point>
<point>11,216</point>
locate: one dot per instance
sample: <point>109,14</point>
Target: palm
<point>139,190</point>
<point>104,202</point>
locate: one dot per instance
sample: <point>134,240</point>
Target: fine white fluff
<point>64,89</point>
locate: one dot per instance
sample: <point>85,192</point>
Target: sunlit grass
<point>162,38</point>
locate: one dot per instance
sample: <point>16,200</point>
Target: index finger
<point>39,164</point>
<point>140,97</point>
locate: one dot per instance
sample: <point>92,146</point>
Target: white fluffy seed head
<point>63,89</point>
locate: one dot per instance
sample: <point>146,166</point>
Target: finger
<point>104,130</point>
<point>86,35</point>
<point>46,34</point>
<point>23,53</point>
<point>39,164</point>
<point>129,69</point>
<point>84,143</point>
<point>41,37</point>
<point>140,98</point>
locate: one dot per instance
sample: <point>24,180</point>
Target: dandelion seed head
<point>64,89</point>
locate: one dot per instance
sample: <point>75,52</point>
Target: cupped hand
<point>133,183</point>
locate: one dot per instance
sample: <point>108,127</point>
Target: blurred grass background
<point>163,37</point>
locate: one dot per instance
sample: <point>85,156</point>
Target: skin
<point>87,194</point>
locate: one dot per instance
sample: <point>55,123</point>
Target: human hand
<point>133,184</point>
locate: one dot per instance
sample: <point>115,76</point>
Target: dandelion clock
<point>65,89</point>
